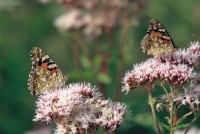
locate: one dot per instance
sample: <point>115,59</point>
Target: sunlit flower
<point>79,108</point>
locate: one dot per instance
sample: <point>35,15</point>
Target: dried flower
<point>79,108</point>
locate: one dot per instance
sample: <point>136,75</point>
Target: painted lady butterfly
<point>45,75</point>
<point>157,41</point>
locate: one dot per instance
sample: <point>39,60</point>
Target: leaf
<point>104,78</point>
<point>180,120</point>
<point>183,118</point>
<point>97,62</point>
<point>168,120</point>
<point>196,114</point>
<point>85,62</point>
<point>166,126</point>
<point>75,74</point>
<point>181,126</point>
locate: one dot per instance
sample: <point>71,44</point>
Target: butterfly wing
<point>157,41</point>
<point>45,74</point>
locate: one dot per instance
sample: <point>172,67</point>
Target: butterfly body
<point>45,75</point>
<point>157,41</point>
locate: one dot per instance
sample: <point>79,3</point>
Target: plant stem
<point>162,85</point>
<point>154,113</point>
<point>184,117</point>
<point>191,123</point>
<point>172,111</point>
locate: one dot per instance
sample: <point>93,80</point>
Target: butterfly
<point>45,75</point>
<point>157,41</point>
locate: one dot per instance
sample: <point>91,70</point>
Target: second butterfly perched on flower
<point>45,75</point>
<point>157,41</point>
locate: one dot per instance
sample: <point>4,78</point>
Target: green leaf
<point>180,120</point>
<point>77,74</point>
<point>166,126</point>
<point>85,62</point>
<point>182,126</point>
<point>104,78</point>
<point>196,114</point>
<point>168,120</point>
<point>183,118</point>
<point>97,62</point>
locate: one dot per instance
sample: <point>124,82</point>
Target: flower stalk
<point>154,113</point>
<point>172,111</point>
<point>196,116</point>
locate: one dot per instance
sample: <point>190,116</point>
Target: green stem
<point>172,111</point>
<point>184,117</point>
<point>154,113</point>
<point>162,85</point>
<point>191,123</point>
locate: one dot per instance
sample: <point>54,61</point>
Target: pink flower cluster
<point>72,20</point>
<point>190,56</point>
<point>191,97</point>
<point>95,17</point>
<point>175,69</point>
<point>79,108</point>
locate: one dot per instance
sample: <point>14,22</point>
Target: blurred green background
<point>28,23</point>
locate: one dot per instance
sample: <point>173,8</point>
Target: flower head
<point>78,108</point>
<point>175,69</point>
<point>194,48</point>
<point>147,73</point>
<point>191,97</point>
<point>95,17</point>
<point>190,56</point>
<point>74,19</point>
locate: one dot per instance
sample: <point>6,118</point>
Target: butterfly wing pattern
<point>157,41</point>
<point>45,75</point>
